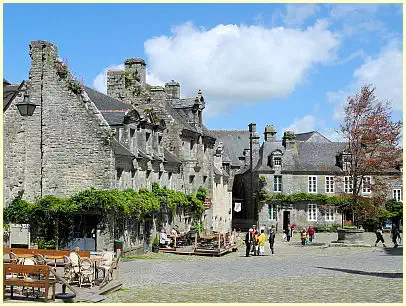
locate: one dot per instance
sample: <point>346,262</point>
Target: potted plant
<point>155,244</point>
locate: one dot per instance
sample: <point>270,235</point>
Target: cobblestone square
<point>294,274</point>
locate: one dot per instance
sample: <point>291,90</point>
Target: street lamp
<point>26,107</point>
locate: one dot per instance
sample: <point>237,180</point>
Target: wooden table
<point>21,257</point>
<point>54,257</point>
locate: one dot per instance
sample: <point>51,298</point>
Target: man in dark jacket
<point>272,240</point>
<point>395,234</point>
<point>248,242</point>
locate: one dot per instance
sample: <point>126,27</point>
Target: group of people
<point>306,236</point>
<point>255,241</point>
<point>395,233</point>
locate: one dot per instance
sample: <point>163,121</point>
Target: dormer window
<point>346,161</point>
<point>275,159</point>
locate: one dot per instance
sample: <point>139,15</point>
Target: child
<point>261,242</point>
<point>303,237</point>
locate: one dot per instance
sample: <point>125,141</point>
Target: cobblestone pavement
<point>294,274</point>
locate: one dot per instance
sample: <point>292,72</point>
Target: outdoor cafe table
<point>21,257</point>
<point>54,257</point>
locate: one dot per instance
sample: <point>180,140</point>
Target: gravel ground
<point>294,274</point>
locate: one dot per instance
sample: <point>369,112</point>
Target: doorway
<point>286,219</point>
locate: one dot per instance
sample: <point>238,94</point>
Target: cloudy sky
<point>288,65</point>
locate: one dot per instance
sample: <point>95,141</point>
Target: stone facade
<point>287,167</point>
<point>136,135</point>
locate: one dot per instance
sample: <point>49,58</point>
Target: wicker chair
<point>68,270</point>
<point>75,263</point>
<point>86,273</point>
<point>108,258</point>
<point>13,258</point>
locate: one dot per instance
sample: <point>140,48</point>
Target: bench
<point>44,252</point>
<point>40,279</point>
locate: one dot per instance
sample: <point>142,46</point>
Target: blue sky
<point>288,65</point>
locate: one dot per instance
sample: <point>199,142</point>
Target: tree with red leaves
<point>373,146</point>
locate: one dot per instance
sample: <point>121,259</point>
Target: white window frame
<point>273,210</point>
<point>279,159</point>
<point>348,184</point>
<point>366,190</point>
<point>329,184</point>
<point>330,212</point>
<point>397,194</point>
<point>312,184</point>
<point>278,183</point>
<point>311,212</point>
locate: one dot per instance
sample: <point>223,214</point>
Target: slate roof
<point>234,143</point>
<point>169,157</point>
<point>311,157</point>
<point>119,149</point>
<point>183,103</point>
<point>306,136</point>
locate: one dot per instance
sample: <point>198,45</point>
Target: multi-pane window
<point>277,161</point>
<point>329,214</point>
<point>397,194</point>
<point>366,184</point>
<point>329,184</point>
<point>272,211</point>
<point>348,184</point>
<point>277,183</point>
<point>312,184</point>
<point>312,212</point>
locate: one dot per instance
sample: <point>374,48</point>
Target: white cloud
<point>233,63</point>
<point>100,81</point>
<point>383,71</point>
<point>297,14</point>
<point>302,125</point>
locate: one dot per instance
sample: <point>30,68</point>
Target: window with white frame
<point>397,194</point>
<point>366,184</point>
<point>329,214</point>
<point>272,210</point>
<point>277,161</point>
<point>277,183</point>
<point>348,184</point>
<point>312,184</point>
<point>312,212</point>
<point>329,184</point>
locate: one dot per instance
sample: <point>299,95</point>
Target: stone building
<point>302,163</point>
<point>136,135</point>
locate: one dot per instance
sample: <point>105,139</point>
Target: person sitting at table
<point>163,239</point>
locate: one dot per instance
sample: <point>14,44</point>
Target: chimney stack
<point>173,90</point>
<point>135,72</point>
<point>289,141</point>
<point>270,133</point>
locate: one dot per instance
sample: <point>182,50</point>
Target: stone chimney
<point>289,141</point>
<point>135,72</point>
<point>270,133</point>
<point>254,137</point>
<point>173,90</point>
<point>115,84</point>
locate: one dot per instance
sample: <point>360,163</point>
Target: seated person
<point>163,239</point>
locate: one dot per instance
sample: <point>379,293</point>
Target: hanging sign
<point>237,206</point>
<point>207,203</point>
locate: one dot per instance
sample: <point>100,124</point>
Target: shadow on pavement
<point>378,274</point>
<point>394,251</point>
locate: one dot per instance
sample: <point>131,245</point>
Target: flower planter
<point>155,248</point>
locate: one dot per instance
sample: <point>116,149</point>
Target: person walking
<point>248,242</point>
<point>379,236</point>
<point>310,232</point>
<point>288,232</point>
<point>261,242</point>
<point>272,240</point>
<point>303,236</point>
<point>395,234</point>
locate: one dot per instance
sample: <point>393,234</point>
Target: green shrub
<point>46,245</point>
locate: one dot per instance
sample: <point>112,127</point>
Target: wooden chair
<point>86,272</point>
